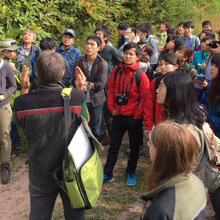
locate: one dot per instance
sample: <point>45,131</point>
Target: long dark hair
<point>181,103</point>
<point>214,91</point>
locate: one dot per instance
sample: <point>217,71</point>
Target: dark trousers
<point>15,138</point>
<point>120,125</point>
<point>215,200</point>
<point>43,201</point>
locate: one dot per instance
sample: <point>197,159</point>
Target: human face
<point>203,46</point>
<point>10,54</point>
<point>180,30</point>
<point>163,28</point>
<point>28,37</point>
<point>92,47</point>
<point>161,93</point>
<point>202,35</point>
<point>188,32</point>
<point>180,54</point>
<point>167,67</point>
<point>130,57</point>
<point>214,71</point>
<point>206,27</point>
<point>100,34</point>
<point>68,40</point>
<point>152,150</point>
<point>170,44</point>
<point>121,32</point>
<point>141,35</point>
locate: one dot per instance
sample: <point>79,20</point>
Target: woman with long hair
<point>174,191</point>
<point>152,109</point>
<point>177,94</point>
<point>214,96</point>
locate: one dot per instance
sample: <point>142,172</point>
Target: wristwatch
<point>88,87</point>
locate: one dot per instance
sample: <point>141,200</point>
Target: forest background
<point>50,18</point>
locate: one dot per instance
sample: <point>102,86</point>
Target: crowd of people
<point>164,86</point>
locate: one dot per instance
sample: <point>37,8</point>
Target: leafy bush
<point>49,18</point>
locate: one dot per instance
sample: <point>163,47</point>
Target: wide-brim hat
<point>9,44</point>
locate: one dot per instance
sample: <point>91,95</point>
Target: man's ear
<point>138,57</point>
<point>185,59</point>
<point>54,49</point>
<point>63,74</point>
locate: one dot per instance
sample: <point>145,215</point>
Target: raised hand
<point>80,79</point>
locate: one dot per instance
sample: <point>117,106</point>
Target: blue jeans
<point>96,115</point>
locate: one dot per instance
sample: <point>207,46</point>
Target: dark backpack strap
<point>100,66</point>
<point>69,54</point>
<point>66,98</point>
<point>116,72</point>
<point>138,77</point>
<point>157,82</point>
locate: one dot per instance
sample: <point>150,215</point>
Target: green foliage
<point>51,17</point>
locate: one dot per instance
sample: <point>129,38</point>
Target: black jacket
<point>41,115</point>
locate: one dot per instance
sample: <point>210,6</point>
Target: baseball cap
<point>9,44</point>
<point>71,32</point>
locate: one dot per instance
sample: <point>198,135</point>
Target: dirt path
<point>14,197</point>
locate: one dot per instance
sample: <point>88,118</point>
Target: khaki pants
<point>5,126</point>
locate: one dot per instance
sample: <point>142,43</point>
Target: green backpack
<point>83,184</point>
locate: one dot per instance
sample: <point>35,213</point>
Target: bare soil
<point>117,201</point>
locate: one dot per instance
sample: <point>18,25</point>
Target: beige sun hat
<point>9,44</point>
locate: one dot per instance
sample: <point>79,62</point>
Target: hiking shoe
<point>5,173</point>
<point>15,151</point>
<point>107,179</point>
<point>131,179</point>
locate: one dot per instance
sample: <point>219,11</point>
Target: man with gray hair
<point>28,49</point>
<point>41,114</point>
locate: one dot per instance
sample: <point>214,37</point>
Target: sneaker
<point>107,179</point>
<point>5,173</point>
<point>131,179</point>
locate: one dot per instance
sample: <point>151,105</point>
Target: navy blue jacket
<point>72,59</point>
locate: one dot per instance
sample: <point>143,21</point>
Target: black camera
<point>122,99</point>
<point>214,43</point>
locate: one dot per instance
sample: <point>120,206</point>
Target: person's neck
<point>171,50</point>
<point>92,58</point>
<point>64,47</point>
<point>188,37</point>
<point>28,45</point>
<point>182,63</point>
<point>163,32</point>
<point>103,46</point>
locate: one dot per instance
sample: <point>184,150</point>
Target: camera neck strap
<point>127,85</point>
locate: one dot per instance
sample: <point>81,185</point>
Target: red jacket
<point>137,95</point>
<point>153,111</point>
